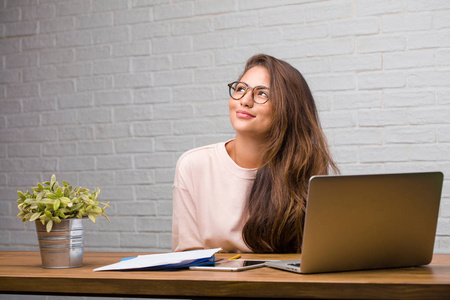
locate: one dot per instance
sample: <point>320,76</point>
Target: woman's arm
<point>185,232</point>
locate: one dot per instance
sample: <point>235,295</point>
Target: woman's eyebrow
<point>263,86</point>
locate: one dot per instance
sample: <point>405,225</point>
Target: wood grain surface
<point>21,273</point>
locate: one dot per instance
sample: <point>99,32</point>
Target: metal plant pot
<point>62,247</point>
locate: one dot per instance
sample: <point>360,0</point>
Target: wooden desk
<point>21,273</point>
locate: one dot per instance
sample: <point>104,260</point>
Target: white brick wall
<point>109,93</point>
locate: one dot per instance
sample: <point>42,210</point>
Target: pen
<point>235,257</point>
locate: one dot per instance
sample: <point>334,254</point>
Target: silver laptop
<point>361,222</point>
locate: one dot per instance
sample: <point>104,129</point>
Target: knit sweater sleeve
<point>185,233</point>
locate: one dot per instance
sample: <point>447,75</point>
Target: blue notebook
<point>172,267</point>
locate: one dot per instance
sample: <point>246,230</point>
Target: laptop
<point>363,222</point>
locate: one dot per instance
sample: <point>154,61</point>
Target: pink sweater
<point>209,196</point>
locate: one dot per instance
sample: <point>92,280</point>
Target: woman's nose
<point>247,100</point>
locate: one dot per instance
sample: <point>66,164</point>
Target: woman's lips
<point>244,115</point>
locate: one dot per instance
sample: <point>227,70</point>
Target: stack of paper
<point>165,261</point>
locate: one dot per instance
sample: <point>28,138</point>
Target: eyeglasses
<point>238,89</point>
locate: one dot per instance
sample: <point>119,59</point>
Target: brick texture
<point>109,93</point>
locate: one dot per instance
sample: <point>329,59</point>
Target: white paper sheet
<point>154,260</point>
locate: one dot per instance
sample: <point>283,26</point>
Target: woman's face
<point>247,117</point>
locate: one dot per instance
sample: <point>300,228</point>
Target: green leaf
<point>40,196</point>
<point>59,192</point>
<point>47,201</point>
<point>51,196</point>
<point>61,214</point>
<point>92,217</point>
<point>105,204</point>
<point>41,206</point>
<point>76,207</point>
<point>65,200</point>
<point>56,204</point>
<point>21,195</point>
<point>35,216</point>
<point>66,192</point>
<point>97,209</point>
<point>49,225</point>
<point>30,201</point>
<point>44,219</point>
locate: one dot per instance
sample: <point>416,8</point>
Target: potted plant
<point>59,212</point>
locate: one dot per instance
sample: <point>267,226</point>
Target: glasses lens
<point>237,90</point>
<point>260,95</point>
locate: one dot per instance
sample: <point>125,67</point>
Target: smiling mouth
<point>244,115</point>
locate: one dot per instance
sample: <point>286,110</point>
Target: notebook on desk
<point>361,222</point>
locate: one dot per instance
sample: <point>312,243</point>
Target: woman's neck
<point>245,152</point>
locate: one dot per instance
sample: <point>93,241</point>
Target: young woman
<point>249,194</point>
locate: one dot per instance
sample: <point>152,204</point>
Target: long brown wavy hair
<point>295,150</point>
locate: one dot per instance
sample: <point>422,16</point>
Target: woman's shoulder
<point>201,154</point>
